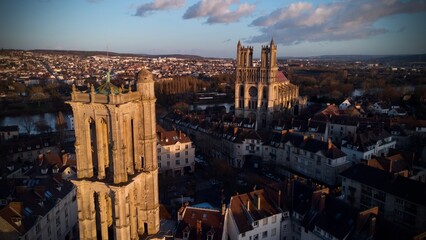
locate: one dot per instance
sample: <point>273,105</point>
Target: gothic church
<point>262,91</point>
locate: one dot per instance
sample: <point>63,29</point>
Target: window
<point>274,218</point>
<point>177,162</point>
<point>159,150</point>
<point>265,234</point>
<point>273,232</point>
<point>177,154</point>
<point>58,221</point>
<point>186,153</point>
<point>38,228</point>
<point>177,148</point>
<point>168,156</point>
<point>256,223</point>
<point>186,160</point>
<point>265,221</point>
<point>256,237</point>
<point>186,146</point>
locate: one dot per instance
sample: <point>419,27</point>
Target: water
<point>22,121</point>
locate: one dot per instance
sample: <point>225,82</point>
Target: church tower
<point>261,90</point>
<point>117,174</point>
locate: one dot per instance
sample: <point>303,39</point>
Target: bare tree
<point>42,126</point>
<point>28,123</point>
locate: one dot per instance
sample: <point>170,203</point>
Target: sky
<point>212,28</point>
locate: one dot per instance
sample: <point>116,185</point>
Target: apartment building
<point>310,157</point>
<point>176,153</point>
<point>200,223</point>
<point>254,216</point>
<point>366,143</point>
<point>38,208</point>
<point>400,199</point>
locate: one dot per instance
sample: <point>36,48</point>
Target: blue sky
<point>212,28</point>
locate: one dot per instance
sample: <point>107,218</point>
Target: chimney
<point>199,229</point>
<point>235,131</point>
<point>322,203</point>
<point>372,226</point>
<point>223,209</point>
<point>289,188</point>
<point>248,205</point>
<point>330,144</point>
<point>258,203</point>
<point>279,198</point>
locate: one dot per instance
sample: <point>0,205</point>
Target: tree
<point>60,125</point>
<point>42,126</point>
<point>28,123</point>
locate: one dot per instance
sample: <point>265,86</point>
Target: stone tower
<point>117,174</point>
<point>261,91</point>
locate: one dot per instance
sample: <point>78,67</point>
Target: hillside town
<point>317,149</point>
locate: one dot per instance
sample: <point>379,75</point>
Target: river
<point>23,122</point>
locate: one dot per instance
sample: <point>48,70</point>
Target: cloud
<point>158,5</point>
<point>219,11</point>
<point>335,21</point>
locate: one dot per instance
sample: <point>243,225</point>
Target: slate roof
<point>396,185</point>
<point>27,195</point>
<point>211,221</point>
<point>245,210</point>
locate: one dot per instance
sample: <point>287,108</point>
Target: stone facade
<point>262,91</point>
<point>117,171</point>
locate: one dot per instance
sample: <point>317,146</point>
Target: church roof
<point>108,88</point>
<point>281,77</point>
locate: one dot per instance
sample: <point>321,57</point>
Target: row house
<point>38,208</point>
<point>366,143</point>
<point>254,216</point>
<point>200,223</point>
<point>176,154</point>
<point>8,132</point>
<point>400,200</point>
<point>307,156</point>
<point>28,149</point>
<point>293,210</point>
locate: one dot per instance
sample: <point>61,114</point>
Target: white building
<point>176,154</point>
<point>366,143</point>
<point>254,216</point>
<point>45,208</point>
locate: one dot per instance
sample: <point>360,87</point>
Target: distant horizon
<point>184,54</point>
<point>212,28</point>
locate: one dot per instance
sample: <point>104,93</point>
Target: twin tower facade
<point>261,91</point>
<point>117,170</point>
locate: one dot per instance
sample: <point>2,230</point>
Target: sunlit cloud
<point>219,11</point>
<point>158,5</point>
<point>337,21</point>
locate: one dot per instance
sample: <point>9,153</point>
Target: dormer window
<point>40,202</point>
<point>44,171</point>
<point>186,232</point>
<point>17,221</point>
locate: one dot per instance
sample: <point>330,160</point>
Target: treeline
<point>178,85</point>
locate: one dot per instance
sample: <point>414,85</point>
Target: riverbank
<point>10,108</point>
